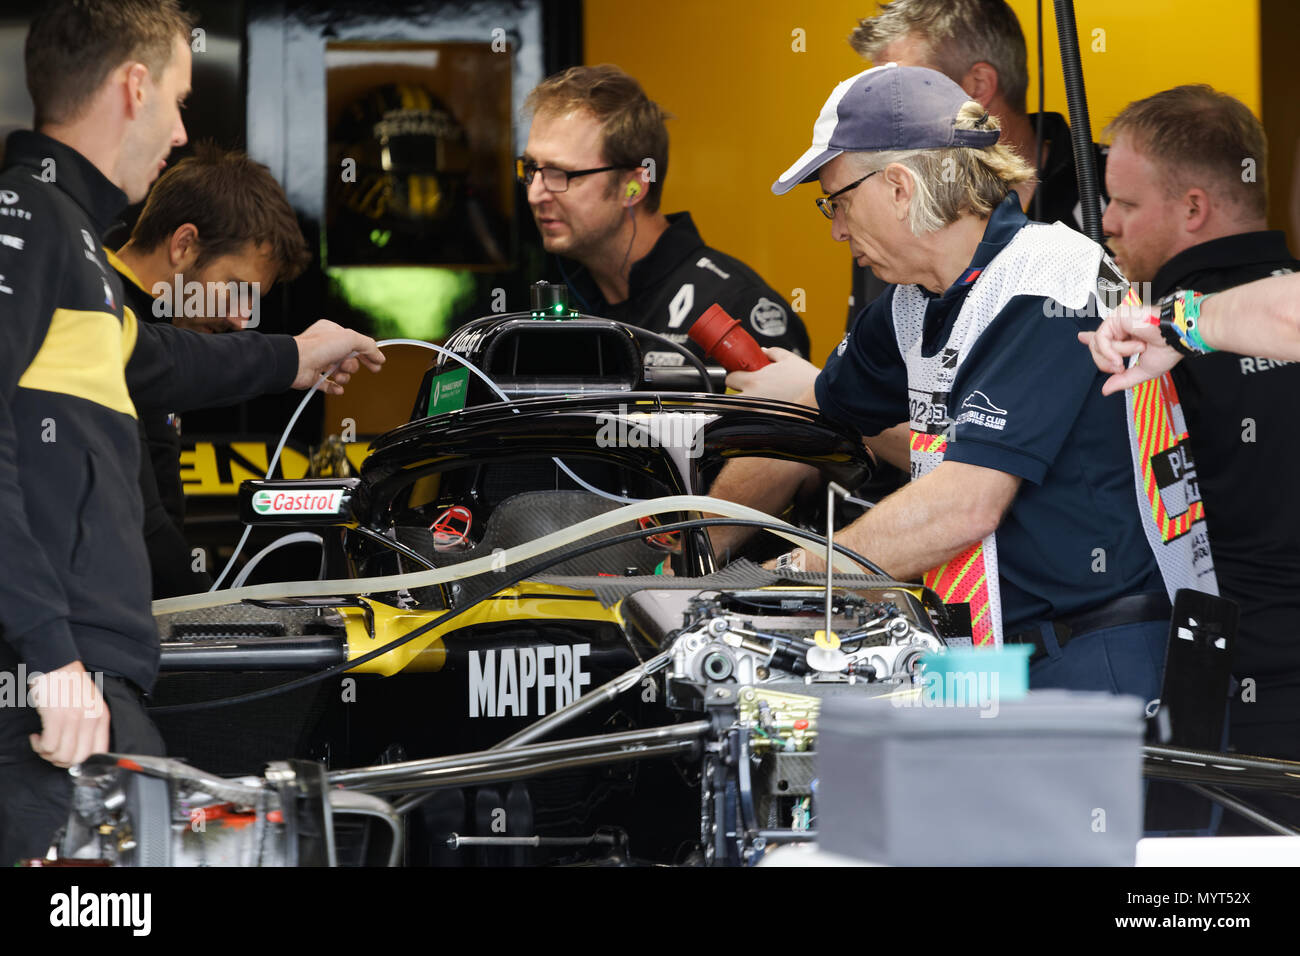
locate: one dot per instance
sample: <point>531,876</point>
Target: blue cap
<point>886,107</point>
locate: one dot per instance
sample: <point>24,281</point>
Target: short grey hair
<point>954,180</point>
<point>957,34</point>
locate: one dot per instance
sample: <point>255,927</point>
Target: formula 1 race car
<point>488,579</point>
<point>490,670</point>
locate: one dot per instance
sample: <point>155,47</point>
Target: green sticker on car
<point>447,392</point>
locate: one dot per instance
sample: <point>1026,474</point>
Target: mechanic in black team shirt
<point>220,220</point>
<point>1183,216</point>
<point>107,78</point>
<point>597,206</point>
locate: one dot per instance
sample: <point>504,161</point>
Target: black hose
<point>546,562</point>
<point>1085,166</point>
<point>675,346</point>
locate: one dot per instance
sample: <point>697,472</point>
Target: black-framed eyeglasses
<point>827,203</point>
<point>554,179</point>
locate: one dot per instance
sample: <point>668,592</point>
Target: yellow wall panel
<point>744,98</point>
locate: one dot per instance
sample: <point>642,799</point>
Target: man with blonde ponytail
<point>1022,499</point>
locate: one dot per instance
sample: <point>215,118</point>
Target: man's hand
<point>325,343</point>
<point>1130,330</point>
<point>787,379</point>
<point>74,718</point>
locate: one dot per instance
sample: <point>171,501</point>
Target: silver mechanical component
<point>896,659</point>
<point>153,811</point>
<point>751,661</point>
<point>711,655</point>
<point>882,636</point>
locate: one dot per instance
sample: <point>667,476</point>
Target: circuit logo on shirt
<point>977,409</point>
<point>844,344</point>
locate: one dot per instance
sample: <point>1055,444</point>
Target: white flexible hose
<point>243,538</point>
<point>497,561</point>
<point>419,343</point>
<point>270,468</point>
<point>505,398</point>
<point>297,537</point>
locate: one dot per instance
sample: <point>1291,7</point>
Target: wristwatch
<point>791,561</point>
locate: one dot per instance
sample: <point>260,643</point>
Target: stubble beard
<point>585,247</point>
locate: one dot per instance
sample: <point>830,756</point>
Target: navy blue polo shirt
<point>1072,538</point>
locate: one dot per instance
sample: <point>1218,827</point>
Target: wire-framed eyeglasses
<point>827,203</point>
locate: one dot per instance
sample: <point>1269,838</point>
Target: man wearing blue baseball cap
<point>1022,500</point>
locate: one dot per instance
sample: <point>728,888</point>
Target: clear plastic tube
<point>496,561</point>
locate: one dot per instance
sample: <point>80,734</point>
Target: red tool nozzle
<point>725,340</point>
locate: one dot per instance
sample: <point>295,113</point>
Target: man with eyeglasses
<point>979,45</point>
<point>594,169</point>
<point>1022,500</point>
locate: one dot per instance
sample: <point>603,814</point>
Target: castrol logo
<point>298,502</point>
